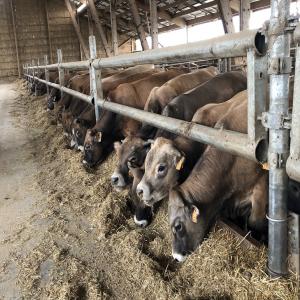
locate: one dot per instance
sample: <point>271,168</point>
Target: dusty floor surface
<point>66,235</point>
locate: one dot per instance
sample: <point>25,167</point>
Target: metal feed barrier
<point>267,140</point>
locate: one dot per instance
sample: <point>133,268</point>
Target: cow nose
<point>139,191</point>
<point>114,179</point>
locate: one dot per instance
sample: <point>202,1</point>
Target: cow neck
<point>209,179</point>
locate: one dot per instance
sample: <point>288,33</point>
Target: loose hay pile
<point>93,250</point>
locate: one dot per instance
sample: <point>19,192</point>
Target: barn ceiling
<point>172,14</point>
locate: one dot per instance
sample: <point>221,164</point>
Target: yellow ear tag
<point>195,214</point>
<point>265,166</point>
<point>180,164</point>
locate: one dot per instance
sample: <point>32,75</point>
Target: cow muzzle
<point>143,192</point>
<point>179,257</point>
<point>117,181</point>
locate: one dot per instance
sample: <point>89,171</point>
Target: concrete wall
<point>36,32</point>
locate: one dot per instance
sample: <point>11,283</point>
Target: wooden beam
<point>195,8</point>
<point>77,30</point>
<point>114,32</point>
<point>235,5</point>
<point>226,16</point>
<point>90,22</point>
<point>244,14</point>
<point>138,24</point>
<point>154,25</point>
<point>163,14</point>
<point>99,27</point>
<point>15,37</point>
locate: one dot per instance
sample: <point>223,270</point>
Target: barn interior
<point>66,233</point>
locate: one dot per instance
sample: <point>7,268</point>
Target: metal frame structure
<point>254,145</point>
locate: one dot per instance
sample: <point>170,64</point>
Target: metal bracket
<point>280,65</point>
<point>276,121</point>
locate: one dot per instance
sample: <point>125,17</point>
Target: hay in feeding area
<point>93,250</point>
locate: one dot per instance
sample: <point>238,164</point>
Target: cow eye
<point>178,227</point>
<point>161,168</point>
<point>132,159</point>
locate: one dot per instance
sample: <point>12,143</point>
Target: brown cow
<point>219,183</point>
<point>142,213</point>
<point>109,128</point>
<point>127,75</point>
<point>161,96</point>
<point>220,88</point>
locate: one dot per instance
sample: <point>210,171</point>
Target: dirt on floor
<point>92,249</point>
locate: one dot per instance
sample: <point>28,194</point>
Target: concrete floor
<point>20,223</point>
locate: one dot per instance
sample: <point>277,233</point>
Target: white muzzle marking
<point>141,223</point>
<point>81,148</point>
<point>179,257</point>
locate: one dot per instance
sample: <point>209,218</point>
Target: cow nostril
<point>139,192</point>
<point>114,180</point>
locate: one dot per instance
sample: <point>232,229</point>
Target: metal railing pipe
<point>279,71</point>
<point>76,65</point>
<point>293,162</point>
<point>228,45</point>
<point>233,142</point>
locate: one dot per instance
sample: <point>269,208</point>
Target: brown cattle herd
<point>200,182</point>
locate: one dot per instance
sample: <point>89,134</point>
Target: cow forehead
<point>160,152</point>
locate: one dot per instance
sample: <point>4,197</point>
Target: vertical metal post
<point>99,27</point>
<point>37,73</point>
<point>257,76</point>
<point>114,32</point>
<point>294,159</point>
<point>46,74</point>
<point>33,74</point>
<point>154,25</point>
<point>95,77</point>
<point>48,31</point>
<point>279,70</point>
<point>294,242</point>
<point>244,14</point>
<point>61,73</point>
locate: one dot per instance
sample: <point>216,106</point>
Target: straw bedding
<point>93,250</point>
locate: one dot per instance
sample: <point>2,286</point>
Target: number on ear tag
<point>180,164</point>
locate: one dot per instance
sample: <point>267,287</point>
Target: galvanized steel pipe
<point>293,163</point>
<point>226,140</point>
<point>229,45</point>
<point>279,46</point>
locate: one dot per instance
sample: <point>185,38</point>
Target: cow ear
<point>149,142</point>
<point>195,213</point>
<point>179,162</point>
<point>117,145</point>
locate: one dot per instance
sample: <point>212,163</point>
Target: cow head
<point>93,149</point>
<point>131,153</point>
<point>79,129</point>
<point>41,89</point>
<point>54,97</point>
<point>189,224</point>
<point>162,168</point>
